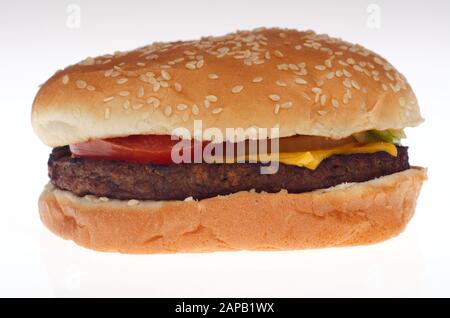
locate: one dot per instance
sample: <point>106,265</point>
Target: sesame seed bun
<point>303,83</point>
<point>348,214</point>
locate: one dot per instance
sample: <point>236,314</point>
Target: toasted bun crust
<point>349,214</point>
<point>304,83</point>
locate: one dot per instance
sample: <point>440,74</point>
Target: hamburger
<point>339,175</point>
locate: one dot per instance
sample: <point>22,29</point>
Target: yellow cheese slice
<point>312,159</point>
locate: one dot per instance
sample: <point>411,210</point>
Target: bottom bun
<point>348,214</point>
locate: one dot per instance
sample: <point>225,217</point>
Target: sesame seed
<point>328,63</point>
<point>153,101</point>
<point>237,89</point>
<point>320,67</point>
<point>402,101</point>
<point>350,61</point>
<point>316,90</point>
<point>358,68</point>
<point>65,79</point>
<point>195,109</point>
<point>395,88</point>
<point>323,99</point>
<point>322,112</point>
<point>178,87</point>
<point>143,78</point>
<point>137,106</point>
<point>126,104</point>
<point>88,61</point>
<point>168,111</point>
<point>108,99</point>
<point>330,75</point>
<point>182,106</point>
<point>152,57</point>
<point>390,76</point>
<point>90,88</point>
<point>258,79</point>
<point>274,97</point>
<point>200,63</point>
<point>211,98</point>
<point>124,93</point>
<point>213,76</point>
<point>165,75</point>
<point>339,73</point>
<point>276,109</point>
<point>223,50</point>
<point>115,73</point>
<point>355,84</point>
<point>140,64</point>
<point>81,84</point>
<point>190,65</point>
<point>278,53</point>
<point>300,81</point>
<point>287,105</point>
<point>378,60</point>
<point>317,98</point>
<point>281,83</point>
<point>347,83</point>
<point>156,87</point>
<point>132,202</point>
<point>345,99</point>
<point>335,103</point>
<point>108,72</point>
<point>217,110</point>
<point>122,81</point>
<point>206,103</point>
<point>298,47</point>
<point>347,73</point>
<point>107,113</point>
<point>302,72</point>
<point>164,84</point>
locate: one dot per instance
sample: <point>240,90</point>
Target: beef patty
<point>125,180</point>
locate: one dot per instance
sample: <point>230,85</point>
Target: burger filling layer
<point>117,174</point>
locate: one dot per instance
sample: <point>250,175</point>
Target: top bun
<point>301,82</point>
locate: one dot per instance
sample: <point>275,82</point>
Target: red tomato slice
<point>158,148</point>
<point>140,148</point>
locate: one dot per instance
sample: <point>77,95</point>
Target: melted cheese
<point>312,159</point>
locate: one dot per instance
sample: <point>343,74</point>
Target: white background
<point>35,41</point>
